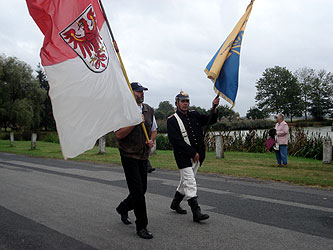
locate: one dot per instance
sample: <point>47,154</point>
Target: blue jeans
<point>281,154</point>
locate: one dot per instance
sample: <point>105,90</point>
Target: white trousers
<point>187,185</point>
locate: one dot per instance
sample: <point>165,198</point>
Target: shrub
<point>162,142</point>
<point>4,135</point>
<point>300,144</point>
<point>162,126</point>
<point>50,137</point>
<point>225,125</point>
<point>311,123</point>
<point>305,144</point>
<point>111,140</point>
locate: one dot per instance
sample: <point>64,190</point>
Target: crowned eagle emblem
<point>83,36</point>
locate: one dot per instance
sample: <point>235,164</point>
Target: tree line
<point>302,93</point>
<point>26,105</point>
<point>24,100</point>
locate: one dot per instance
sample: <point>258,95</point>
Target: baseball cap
<point>137,87</point>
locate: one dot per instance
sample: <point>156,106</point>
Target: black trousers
<point>136,178</point>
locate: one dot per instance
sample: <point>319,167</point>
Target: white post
<point>219,147</point>
<point>11,135</point>
<point>153,149</point>
<point>101,145</point>
<point>33,140</point>
<point>327,151</point>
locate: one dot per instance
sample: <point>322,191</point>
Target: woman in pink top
<point>282,134</point>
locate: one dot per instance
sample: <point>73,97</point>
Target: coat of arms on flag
<point>83,36</point>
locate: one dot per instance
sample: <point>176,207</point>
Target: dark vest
<point>134,144</point>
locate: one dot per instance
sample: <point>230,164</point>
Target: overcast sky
<point>166,44</point>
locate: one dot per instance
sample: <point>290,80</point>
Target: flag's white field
<point>89,93</point>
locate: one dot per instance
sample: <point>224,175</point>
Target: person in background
<point>282,135</point>
<point>134,151</point>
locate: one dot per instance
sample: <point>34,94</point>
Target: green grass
<point>52,150</point>
<point>301,171</point>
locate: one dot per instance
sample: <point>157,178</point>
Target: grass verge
<point>301,171</point>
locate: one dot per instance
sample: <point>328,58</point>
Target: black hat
<point>182,96</point>
<point>137,87</point>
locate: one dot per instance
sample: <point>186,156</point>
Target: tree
<point>305,77</point>
<point>199,109</point>
<point>22,115</point>
<point>321,102</point>
<point>20,94</point>
<point>226,113</point>
<point>255,113</point>
<point>37,96</point>
<point>317,91</point>
<point>279,92</point>
<point>164,110</point>
<point>3,111</point>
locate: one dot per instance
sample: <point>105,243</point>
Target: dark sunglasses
<point>188,101</point>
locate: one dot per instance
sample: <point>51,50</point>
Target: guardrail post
<point>11,136</point>
<point>101,145</point>
<point>327,151</point>
<point>219,147</point>
<point>33,140</point>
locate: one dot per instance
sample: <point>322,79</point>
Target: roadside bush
<point>18,136</point>
<point>225,125</point>
<point>162,142</point>
<point>49,137</point>
<point>162,126</point>
<point>111,140</point>
<point>300,144</point>
<point>310,123</point>
<point>4,135</point>
<point>305,144</point>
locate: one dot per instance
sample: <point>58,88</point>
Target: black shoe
<point>124,217</point>
<point>151,170</point>
<point>144,233</point>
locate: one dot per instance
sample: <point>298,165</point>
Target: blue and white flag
<point>224,66</point>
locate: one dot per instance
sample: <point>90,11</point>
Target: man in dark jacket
<point>186,136</point>
<point>134,151</point>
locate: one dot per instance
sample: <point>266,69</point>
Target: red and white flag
<point>88,90</point>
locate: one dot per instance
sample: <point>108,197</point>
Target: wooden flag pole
<point>121,63</point>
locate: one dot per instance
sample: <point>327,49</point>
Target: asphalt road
<point>57,204</point>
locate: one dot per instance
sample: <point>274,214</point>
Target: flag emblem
<point>236,47</point>
<point>83,36</point>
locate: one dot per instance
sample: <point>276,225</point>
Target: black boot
<point>197,215</point>
<point>175,205</point>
